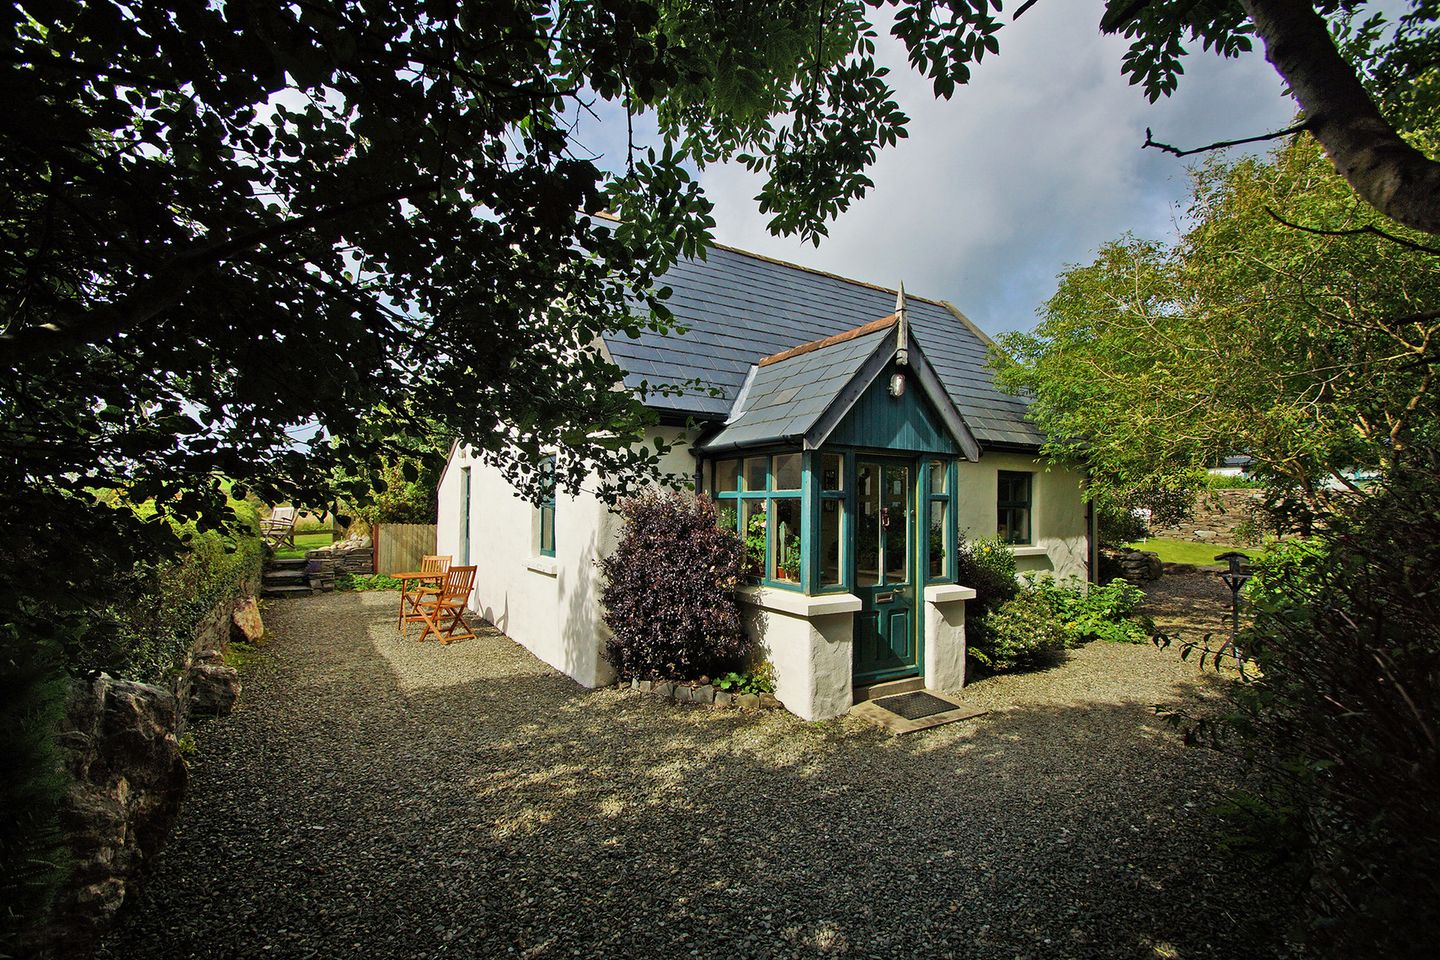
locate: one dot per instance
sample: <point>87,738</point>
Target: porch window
<point>760,497</point>
<point>547,508</point>
<point>1014,507</point>
<point>940,542</point>
<point>832,519</point>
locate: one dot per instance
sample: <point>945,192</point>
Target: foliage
<point>1308,351</point>
<point>1092,611</point>
<point>1340,718</point>
<point>145,637</point>
<point>372,581</point>
<point>759,680</point>
<point>32,857</point>
<point>1020,632</point>
<point>669,591</point>
<point>755,533</point>
<point>1287,574</point>
<point>1118,526</point>
<point>987,566</point>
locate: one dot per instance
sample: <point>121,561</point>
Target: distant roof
<point>738,308</point>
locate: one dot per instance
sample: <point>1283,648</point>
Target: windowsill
<point>799,604</point>
<point>1028,551</point>
<point>948,593</point>
<point>545,565</point>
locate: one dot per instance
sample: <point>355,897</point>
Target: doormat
<point>915,706</point>
<point>909,712</point>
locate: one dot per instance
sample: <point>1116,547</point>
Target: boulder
<point>245,623</point>
<point>119,747</point>
<point>214,685</point>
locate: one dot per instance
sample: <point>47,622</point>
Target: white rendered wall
<point>809,642</point>
<point>551,606</point>
<point>1057,512</point>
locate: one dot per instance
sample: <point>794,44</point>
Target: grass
<point>303,542</point>
<point>1185,551</point>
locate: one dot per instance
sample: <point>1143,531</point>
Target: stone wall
<point>120,744</point>
<point>1220,516</point>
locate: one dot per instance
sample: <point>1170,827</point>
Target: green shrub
<point>1096,612</point>
<point>32,857</point>
<point>669,592</point>
<point>1341,718</point>
<point>987,566</point>
<point>759,680</point>
<point>1019,633</point>
<point>145,638</point>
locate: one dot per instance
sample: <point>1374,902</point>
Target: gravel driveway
<point>380,798</point>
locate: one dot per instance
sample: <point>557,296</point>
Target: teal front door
<point>886,631</point>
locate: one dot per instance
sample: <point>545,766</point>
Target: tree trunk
<point>1392,176</point>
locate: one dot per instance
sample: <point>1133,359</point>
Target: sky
<point>1030,168</point>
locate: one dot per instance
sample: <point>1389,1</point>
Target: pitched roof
<point>738,308</point>
<point>804,393</point>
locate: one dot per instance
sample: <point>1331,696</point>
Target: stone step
<point>298,590</point>
<point>285,576</point>
<point>888,688</point>
<point>294,563</point>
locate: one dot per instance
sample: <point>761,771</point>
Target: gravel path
<point>381,798</point>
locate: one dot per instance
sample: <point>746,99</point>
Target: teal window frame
<point>948,498</point>
<point>1004,506</point>
<point>816,496</point>
<point>547,508</point>
<point>768,495</point>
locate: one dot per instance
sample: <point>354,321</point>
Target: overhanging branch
<point>167,284</point>
<point>1150,141</point>
<point>1368,229</point>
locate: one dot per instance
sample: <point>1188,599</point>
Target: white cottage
<point>855,432</point>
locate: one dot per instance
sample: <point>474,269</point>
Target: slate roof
<point>785,398</point>
<point>738,307</point>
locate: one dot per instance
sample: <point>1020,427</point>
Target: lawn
<point>303,542</point>
<point>1185,551</point>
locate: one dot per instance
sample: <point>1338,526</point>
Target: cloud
<point>1032,166</point>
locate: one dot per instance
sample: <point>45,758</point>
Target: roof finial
<point>902,337</point>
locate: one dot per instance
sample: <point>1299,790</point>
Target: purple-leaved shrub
<point>669,593</point>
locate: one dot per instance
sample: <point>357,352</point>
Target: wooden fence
<point>399,546</point>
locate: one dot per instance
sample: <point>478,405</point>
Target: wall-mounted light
<point>897,384</point>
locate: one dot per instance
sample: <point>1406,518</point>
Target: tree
<point>1313,353</point>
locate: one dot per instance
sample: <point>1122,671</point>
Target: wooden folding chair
<point>444,612</point>
<point>429,564</point>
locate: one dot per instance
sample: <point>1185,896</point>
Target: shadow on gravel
<point>523,816</point>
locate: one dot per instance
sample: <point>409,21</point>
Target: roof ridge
<point>607,215</point>
<point>825,273</point>
<point>843,336</point>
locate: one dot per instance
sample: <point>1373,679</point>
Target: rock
<point>768,701</point>
<point>119,747</point>
<point>684,694</point>
<point>664,688</point>
<point>1204,535</point>
<point>703,694</point>
<point>245,623</point>
<point>748,701</point>
<point>214,687</point>
<point>645,686</point>
<point>724,698</point>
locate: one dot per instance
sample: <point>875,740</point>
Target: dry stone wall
<point>1220,516</point>
<point>120,744</point>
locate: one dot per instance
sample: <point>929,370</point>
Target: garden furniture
<point>279,528</point>
<point>432,570</point>
<point>444,612</point>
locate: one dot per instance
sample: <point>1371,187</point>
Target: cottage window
<point>760,497</point>
<point>940,544</point>
<point>547,508</point>
<point>1014,507</point>
<point>832,520</point>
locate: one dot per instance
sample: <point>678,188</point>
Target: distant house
<point>857,435</point>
